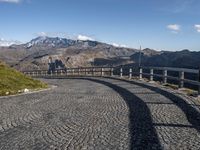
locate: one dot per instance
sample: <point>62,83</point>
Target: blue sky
<point>158,24</point>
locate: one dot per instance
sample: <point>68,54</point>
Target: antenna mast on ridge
<point>140,57</point>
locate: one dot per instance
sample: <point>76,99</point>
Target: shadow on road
<point>193,116</point>
<point>141,127</point>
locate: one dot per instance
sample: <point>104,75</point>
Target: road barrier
<point>123,71</point>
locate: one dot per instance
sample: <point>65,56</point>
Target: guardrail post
<point>130,73</point>
<point>164,76</point>
<point>181,78</point>
<point>199,84</point>
<point>56,72</point>
<point>140,73</point>
<point>121,72</point>
<point>78,71</point>
<point>111,72</point>
<point>93,71</point>
<point>151,74</point>
<point>102,72</point>
<point>62,72</point>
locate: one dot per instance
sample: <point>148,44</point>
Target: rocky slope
<point>73,53</point>
<point>181,59</point>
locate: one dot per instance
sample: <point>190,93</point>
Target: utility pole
<point>140,57</point>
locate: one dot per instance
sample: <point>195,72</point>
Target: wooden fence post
<point>151,74</point>
<point>121,72</point>
<point>164,76</point>
<point>181,78</point>
<point>130,73</point>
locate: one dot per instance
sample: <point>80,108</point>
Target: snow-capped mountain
<point>6,43</point>
<point>57,42</point>
<point>82,52</point>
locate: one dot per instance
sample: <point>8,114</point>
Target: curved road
<point>98,113</point>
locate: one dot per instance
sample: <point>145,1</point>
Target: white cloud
<point>42,34</point>
<point>197,27</point>
<point>84,38</point>
<point>119,45</point>
<point>115,44</point>
<point>11,1</point>
<point>175,28</point>
<point>4,42</point>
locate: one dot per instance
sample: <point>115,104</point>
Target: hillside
<point>180,59</point>
<point>13,82</point>
<point>73,53</point>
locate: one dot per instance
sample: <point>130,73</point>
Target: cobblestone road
<point>98,113</point>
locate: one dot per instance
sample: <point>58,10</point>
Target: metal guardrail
<point>110,71</point>
<point>83,71</point>
<point>180,78</point>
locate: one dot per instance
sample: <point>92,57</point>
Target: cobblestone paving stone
<point>96,113</point>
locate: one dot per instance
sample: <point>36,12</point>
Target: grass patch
<point>173,86</point>
<point>12,81</point>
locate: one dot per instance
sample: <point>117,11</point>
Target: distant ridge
<point>35,54</point>
<point>74,53</point>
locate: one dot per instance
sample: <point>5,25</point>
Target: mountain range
<point>73,53</point>
<point>35,54</point>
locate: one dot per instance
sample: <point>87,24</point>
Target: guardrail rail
<point>122,71</point>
